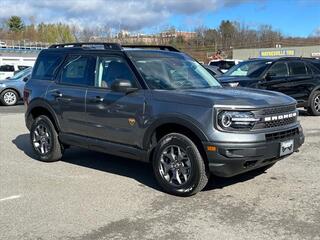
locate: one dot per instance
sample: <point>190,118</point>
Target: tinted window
<point>7,68</point>
<point>278,69</point>
<point>297,68</point>
<point>315,67</point>
<point>111,68</point>
<point>78,70</point>
<point>46,66</point>
<point>248,69</point>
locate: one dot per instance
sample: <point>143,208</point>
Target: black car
<point>158,105</point>
<point>213,70</point>
<point>296,77</point>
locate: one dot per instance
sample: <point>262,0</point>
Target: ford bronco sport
<point>158,105</point>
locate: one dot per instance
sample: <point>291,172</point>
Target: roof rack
<point>113,46</point>
<point>110,46</point>
<point>161,47</point>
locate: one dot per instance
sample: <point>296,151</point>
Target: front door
<point>114,116</point>
<point>276,78</point>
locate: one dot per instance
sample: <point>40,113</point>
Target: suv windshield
<point>248,69</point>
<point>168,71</point>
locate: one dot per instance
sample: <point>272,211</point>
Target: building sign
<point>315,54</point>
<point>277,53</point>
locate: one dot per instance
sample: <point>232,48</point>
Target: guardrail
<point>18,46</point>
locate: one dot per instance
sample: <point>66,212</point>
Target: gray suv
<point>158,105</point>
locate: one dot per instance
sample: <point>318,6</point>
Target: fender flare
<point>40,103</point>
<point>183,121</point>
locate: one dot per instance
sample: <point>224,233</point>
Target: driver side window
<point>278,70</point>
<point>109,69</point>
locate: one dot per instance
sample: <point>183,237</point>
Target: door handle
<point>99,99</point>
<point>57,94</point>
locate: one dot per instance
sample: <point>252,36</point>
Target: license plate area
<point>286,147</point>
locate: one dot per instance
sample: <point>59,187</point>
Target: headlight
<point>234,84</point>
<point>231,120</point>
<point>2,85</point>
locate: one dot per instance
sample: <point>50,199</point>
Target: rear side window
<point>46,66</point>
<point>78,70</point>
<point>7,68</point>
<point>297,68</point>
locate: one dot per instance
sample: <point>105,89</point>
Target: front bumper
<point>231,159</point>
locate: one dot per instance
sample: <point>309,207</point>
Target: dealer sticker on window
<point>286,148</point>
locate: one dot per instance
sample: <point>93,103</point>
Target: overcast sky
<point>153,15</point>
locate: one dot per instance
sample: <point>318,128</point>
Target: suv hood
<point>238,97</point>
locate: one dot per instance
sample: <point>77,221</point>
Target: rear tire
<point>178,166</point>
<point>44,140</point>
<point>314,107</point>
<point>9,97</point>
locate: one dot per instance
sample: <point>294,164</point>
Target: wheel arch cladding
<point>162,128</point>
<point>41,109</point>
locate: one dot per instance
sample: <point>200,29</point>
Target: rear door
<point>67,94</point>
<point>114,116</point>
<point>301,80</point>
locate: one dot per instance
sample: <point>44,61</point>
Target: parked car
<point>296,77</point>
<point>11,90</point>
<point>7,71</point>
<point>213,70</point>
<point>3,45</point>
<point>155,105</point>
<point>224,64</point>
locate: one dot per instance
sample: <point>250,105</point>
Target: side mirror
<point>123,85</point>
<point>25,79</point>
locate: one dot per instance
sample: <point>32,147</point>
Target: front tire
<point>44,140</point>
<point>9,97</point>
<point>178,166</point>
<point>314,108</point>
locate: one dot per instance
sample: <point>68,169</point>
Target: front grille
<point>278,123</point>
<point>276,117</point>
<point>276,110</point>
<point>282,135</point>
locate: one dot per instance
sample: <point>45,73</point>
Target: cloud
<point>126,14</point>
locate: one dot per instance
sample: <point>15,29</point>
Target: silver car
<point>11,90</point>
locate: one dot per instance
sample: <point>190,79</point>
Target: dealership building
<point>306,51</point>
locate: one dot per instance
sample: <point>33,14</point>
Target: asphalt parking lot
<point>91,195</point>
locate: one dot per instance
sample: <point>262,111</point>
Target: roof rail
<point>161,47</point>
<point>112,46</point>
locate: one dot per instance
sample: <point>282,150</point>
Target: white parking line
<point>10,198</point>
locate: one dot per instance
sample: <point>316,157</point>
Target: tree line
<point>228,35</point>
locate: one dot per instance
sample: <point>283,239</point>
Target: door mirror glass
<point>122,85</point>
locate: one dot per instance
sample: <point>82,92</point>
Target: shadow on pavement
<point>141,172</point>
